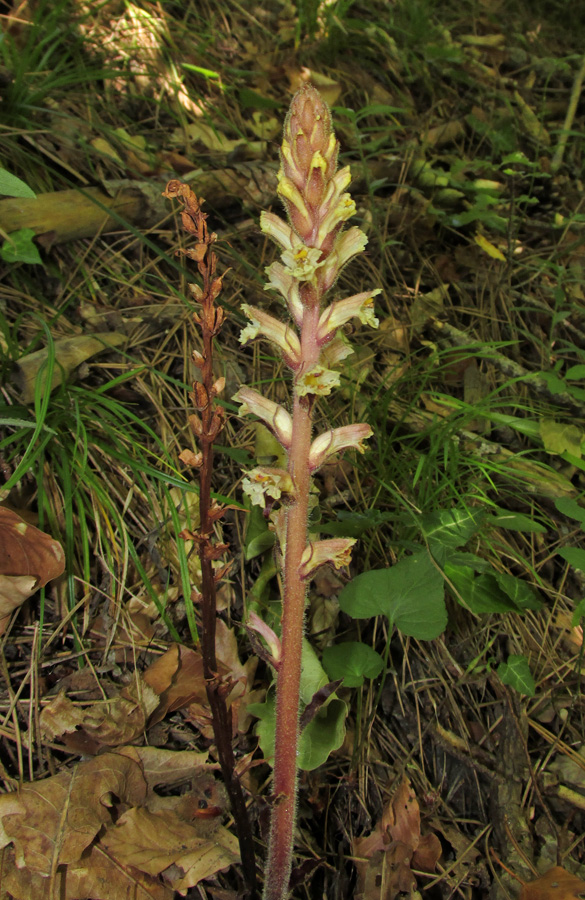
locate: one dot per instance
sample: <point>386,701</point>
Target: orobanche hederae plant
<point>315,247</point>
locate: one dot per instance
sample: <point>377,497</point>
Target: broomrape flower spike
<point>314,247</point>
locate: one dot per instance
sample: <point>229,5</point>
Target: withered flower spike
<point>206,427</point>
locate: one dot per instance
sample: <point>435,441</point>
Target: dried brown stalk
<point>206,424</point>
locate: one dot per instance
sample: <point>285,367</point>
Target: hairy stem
<point>289,673</point>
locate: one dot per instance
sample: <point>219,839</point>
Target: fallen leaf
<point>29,559</point>
<point>61,815</point>
<point>70,353</point>
<point>156,841</point>
<point>104,148</point>
<point>96,875</point>
<point>59,827</point>
<point>167,767</point>
<point>556,884</point>
<point>489,248</point>
<point>109,723</point>
<point>177,677</point>
<point>397,836</point>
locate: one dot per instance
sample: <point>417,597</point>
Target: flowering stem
<point>315,249</point>
<point>289,672</point>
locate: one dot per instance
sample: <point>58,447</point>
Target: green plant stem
<point>289,671</point>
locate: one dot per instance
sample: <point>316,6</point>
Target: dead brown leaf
<point>111,723</point>
<point>397,835</point>
<point>167,767</point>
<point>556,884</point>
<point>61,828</point>
<point>29,559</point>
<point>177,677</point>
<point>61,816</point>
<point>155,842</point>
<point>95,875</point>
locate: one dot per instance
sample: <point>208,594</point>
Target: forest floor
<point>463,125</point>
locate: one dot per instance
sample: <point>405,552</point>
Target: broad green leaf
<point>554,382</point>
<point>520,592</point>
<point>19,247</point>
<point>410,594</point>
<point>11,186</point>
<point>447,529</point>
<point>575,372</point>
<point>352,661</point>
<point>578,614</point>
<point>258,536</point>
<point>561,437</point>
<point>516,522</point>
<point>323,734</point>
<point>313,675</point>
<point>249,99</point>
<point>516,673</point>
<point>575,556</point>
<point>461,558</point>
<point>569,507</point>
<point>480,594</point>
<point>353,524</point>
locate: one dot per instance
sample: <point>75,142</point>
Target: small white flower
<point>281,280</point>
<point>317,380</point>
<point>263,482</point>
<point>278,230</point>
<point>343,209</point>
<point>341,311</point>
<point>291,194</point>
<point>335,551</point>
<point>347,244</point>
<point>302,262</point>
<point>273,414</point>
<point>337,350</point>
<point>272,329</point>
<point>330,442</point>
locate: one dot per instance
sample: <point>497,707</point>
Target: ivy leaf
<point>352,661</point>
<point>519,591</point>
<point>516,673</point>
<point>19,247</point>
<point>447,529</point>
<point>410,594</point>
<point>569,507</point>
<point>479,594</point>
<point>575,556</point>
<point>11,186</point>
